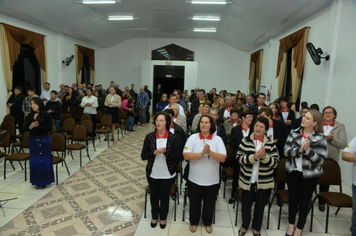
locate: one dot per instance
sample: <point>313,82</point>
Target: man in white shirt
<point>46,93</point>
<point>173,99</point>
<point>349,155</point>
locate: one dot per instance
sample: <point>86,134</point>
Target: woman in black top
<point>162,152</point>
<point>39,122</point>
<point>70,103</point>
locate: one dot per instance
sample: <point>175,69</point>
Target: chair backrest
<point>123,113</point>
<point>106,120</point>
<point>80,133</point>
<point>85,116</point>
<point>79,113</point>
<point>65,116</point>
<point>54,129</point>
<point>103,110</point>
<point>332,173</point>
<point>24,140</point>
<point>10,117</point>
<point>281,172</point>
<point>6,142</point>
<point>229,151</point>
<point>99,114</point>
<point>58,142</point>
<point>9,126</point>
<point>68,125</point>
<point>88,124</point>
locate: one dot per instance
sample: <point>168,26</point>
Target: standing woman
<point>204,151</point>
<point>258,158</point>
<point>113,101</point>
<point>161,150</point>
<point>276,111</point>
<point>239,132</point>
<point>90,103</point>
<point>70,103</point>
<point>39,122</point>
<point>306,149</point>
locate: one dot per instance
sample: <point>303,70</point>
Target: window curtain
<point>12,37</point>
<point>297,41</point>
<point>256,65</point>
<point>81,51</point>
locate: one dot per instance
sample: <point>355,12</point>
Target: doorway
<point>170,78</point>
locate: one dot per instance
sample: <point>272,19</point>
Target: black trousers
<point>235,177</point>
<point>300,193</point>
<point>260,198</point>
<point>159,189</point>
<point>198,193</point>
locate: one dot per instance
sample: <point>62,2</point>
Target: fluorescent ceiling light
<point>208,2</point>
<point>205,30</point>
<point>98,2</point>
<point>206,18</point>
<point>120,18</point>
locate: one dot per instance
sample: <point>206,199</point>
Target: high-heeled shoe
<point>153,225</point>
<point>241,233</point>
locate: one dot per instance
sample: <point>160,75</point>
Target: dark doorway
<point>86,70</point>
<point>170,78</point>
<point>26,70</point>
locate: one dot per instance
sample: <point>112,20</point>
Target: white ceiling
<point>245,24</point>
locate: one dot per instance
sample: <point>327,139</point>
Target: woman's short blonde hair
<point>163,95</point>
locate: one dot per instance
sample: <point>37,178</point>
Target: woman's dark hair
<point>38,101</point>
<point>246,112</point>
<point>262,120</point>
<point>212,124</point>
<point>90,89</point>
<point>170,112</point>
<point>235,110</point>
<point>19,88</point>
<point>166,116</point>
<point>31,88</point>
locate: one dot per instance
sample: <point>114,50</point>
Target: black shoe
<point>231,200</point>
<point>279,202</point>
<point>242,233</point>
<point>162,226</point>
<point>321,208</point>
<point>153,225</point>
<point>288,234</point>
<point>173,196</point>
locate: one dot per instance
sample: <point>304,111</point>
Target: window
<point>26,70</point>
<point>287,85</point>
<point>253,91</point>
<point>86,70</point>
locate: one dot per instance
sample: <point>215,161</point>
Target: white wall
<point>333,82</point>
<point>219,65</point>
<point>59,47</point>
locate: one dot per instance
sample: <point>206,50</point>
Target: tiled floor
<point>106,197</point>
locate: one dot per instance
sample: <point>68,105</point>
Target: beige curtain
<point>252,75</point>
<point>255,65</point>
<point>296,77</point>
<point>44,72</point>
<point>282,74</point>
<point>6,63</point>
<point>81,51</point>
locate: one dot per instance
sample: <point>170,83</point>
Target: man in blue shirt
<point>142,102</point>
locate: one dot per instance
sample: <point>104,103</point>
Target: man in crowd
<point>249,102</point>
<point>54,108</point>
<point>15,104</point>
<point>149,93</point>
<point>296,122</point>
<point>103,91</point>
<point>79,90</point>
<point>61,90</point>
<point>287,114</point>
<point>220,129</point>
<point>196,102</point>
<point>46,93</point>
<point>178,93</point>
<point>173,99</point>
<point>261,98</point>
<point>26,105</point>
<point>205,111</point>
<point>178,118</point>
<point>142,102</point>
<point>118,90</point>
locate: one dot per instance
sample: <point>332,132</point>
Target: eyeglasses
<point>329,112</point>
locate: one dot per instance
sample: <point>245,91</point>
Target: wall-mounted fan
<point>317,54</point>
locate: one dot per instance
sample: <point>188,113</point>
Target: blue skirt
<point>41,164</point>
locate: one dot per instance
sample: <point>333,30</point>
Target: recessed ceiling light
<point>120,18</point>
<point>209,2</point>
<point>205,30</point>
<point>99,2</point>
<point>206,18</point>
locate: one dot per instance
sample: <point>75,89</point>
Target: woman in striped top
<point>258,158</point>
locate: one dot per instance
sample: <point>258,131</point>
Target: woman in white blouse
<point>90,103</point>
<point>162,151</point>
<point>205,151</point>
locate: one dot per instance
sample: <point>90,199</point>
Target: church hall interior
<point>224,44</point>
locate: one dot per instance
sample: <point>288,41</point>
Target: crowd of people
<point>197,127</point>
